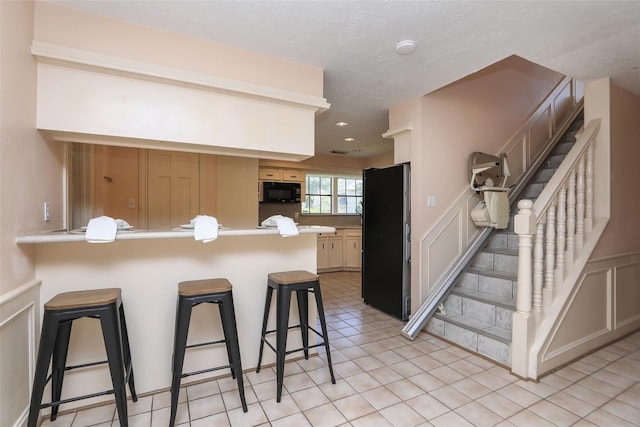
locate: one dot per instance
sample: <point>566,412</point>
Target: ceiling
<point>353,41</point>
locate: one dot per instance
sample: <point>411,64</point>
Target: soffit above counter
<point>96,98</point>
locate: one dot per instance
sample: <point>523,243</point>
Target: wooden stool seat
<point>205,286</point>
<point>81,299</point>
<point>285,283</point>
<point>59,314</point>
<point>290,277</point>
<point>190,294</point>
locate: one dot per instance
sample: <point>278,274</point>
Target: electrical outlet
<point>132,203</point>
<point>47,212</point>
<point>296,214</point>
<point>432,201</point>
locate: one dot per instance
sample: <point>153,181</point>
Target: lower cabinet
<point>341,250</point>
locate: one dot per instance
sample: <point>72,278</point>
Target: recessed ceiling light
<point>405,47</point>
<point>349,139</point>
<point>341,124</point>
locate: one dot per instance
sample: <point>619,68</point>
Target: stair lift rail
<point>444,285</point>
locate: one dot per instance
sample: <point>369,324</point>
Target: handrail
<point>444,285</point>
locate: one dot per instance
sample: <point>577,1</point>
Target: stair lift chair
<point>486,170</point>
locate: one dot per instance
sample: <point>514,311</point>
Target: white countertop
<point>78,235</point>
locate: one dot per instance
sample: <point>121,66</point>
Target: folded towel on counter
<point>205,228</point>
<point>286,226</point>
<point>102,229</point>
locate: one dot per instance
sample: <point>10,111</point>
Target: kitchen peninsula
<point>147,266</point>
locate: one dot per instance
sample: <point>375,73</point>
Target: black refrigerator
<point>386,240</point>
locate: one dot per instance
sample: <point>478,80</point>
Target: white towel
<point>205,228</point>
<point>286,226</point>
<point>102,229</point>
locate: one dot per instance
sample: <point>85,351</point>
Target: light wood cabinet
<point>270,174</point>
<point>341,250</point>
<point>293,175</point>
<point>353,249</point>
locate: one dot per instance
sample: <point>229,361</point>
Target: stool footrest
<point>84,365</point>
<point>73,399</point>
<point>202,344</point>
<point>203,371</point>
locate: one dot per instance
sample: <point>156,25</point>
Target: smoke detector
<point>405,47</point>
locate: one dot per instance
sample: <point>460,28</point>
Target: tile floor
<point>383,379</point>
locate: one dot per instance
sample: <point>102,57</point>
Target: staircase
<point>477,313</point>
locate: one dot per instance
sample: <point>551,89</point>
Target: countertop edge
<point>76,236</point>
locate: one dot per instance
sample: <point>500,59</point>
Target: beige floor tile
<point>478,415</point>
<point>206,406</point>
<point>450,397</point>
<point>298,382</point>
<point>295,420</point>
<point>338,390</point>
<point>499,404</point>
<point>405,389</point>
<point>232,398</point>
<point>368,363</point>
<point>465,367</point>
<point>362,382</point>
<point>427,406</point>
<point>218,420</point>
<point>471,388</point>
<point>326,415</point>
<point>64,420</point>
<point>371,420</point>
<point>198,391</point>
<point>385,375</point>
<point>96,415</point>
<point>309,398</point>
<point>160,417</point>
<point>275,410</point>
<point>450,419</point>
<point>426,381</point>
<point>527,418</point>
<point>253,417</point>
<point>600,417</point>
<point>354,406</point>
<point>406,369</point>
<point>519,395</point>
<point>553,413</point>
<point>572,404</point>
<point>630,413</point>
<point>446,374</point>
<point>380,397</point>
<point>401,414</point>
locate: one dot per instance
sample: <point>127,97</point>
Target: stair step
<point>496,259</point>
<point>488,340</point>
<point>488,298</point>
<point>503,240</point>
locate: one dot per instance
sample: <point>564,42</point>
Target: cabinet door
<point>293,175</point>
<point>335,252</point>
<point>270,174</point>
<point>323,252</point>
<point>353,252</point>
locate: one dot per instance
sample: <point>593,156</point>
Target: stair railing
<point>551,233</point>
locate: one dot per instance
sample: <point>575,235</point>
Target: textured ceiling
<point>353,41</point>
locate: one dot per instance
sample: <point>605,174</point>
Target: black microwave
<point>281,192</point>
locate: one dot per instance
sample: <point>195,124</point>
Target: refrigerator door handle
<point>407,241</point>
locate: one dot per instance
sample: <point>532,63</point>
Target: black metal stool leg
<point>128,364</point>
<point>323,324</point>
<point>110,322</point>
<point>45,350</point>
<point>60,351</point>
<point>183,317</point>
<point>282,327</point>
<point>265,320</point>
<point>228,316</point>
<point>303,312</point>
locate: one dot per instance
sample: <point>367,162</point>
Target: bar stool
<point>284,283</point>
<point>59,314</point>
<point>190,294</point>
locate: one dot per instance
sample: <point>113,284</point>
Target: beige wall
<point>67,27</point>
<point>622,234</point>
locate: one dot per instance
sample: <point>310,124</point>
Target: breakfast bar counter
<point>147,266</point>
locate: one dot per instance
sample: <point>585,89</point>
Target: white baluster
<point>524,226</point>
<point>580,194</point>
<point>538,267</point>
<point>571,219</point>
<point>550,251</point>
<point>561,234</point>
<point>588,216</point>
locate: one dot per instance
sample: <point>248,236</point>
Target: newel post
<point>522,330</point>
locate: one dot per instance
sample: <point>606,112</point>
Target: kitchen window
<point>331,194</point>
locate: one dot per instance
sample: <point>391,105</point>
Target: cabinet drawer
<point>293,175</point>
<point>270,174</point>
